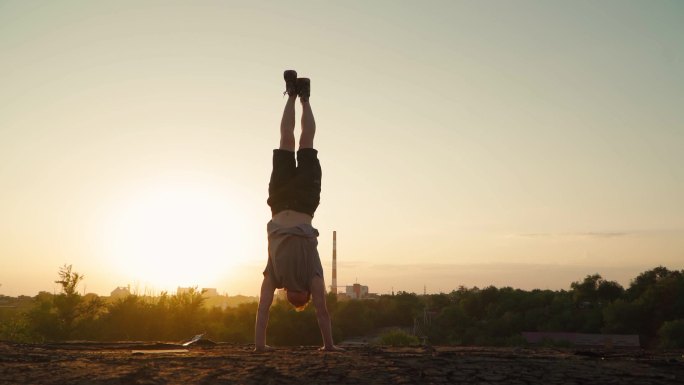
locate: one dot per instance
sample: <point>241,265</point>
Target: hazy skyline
<point>522,144</point>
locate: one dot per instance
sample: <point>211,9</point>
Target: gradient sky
<point>513,143</point>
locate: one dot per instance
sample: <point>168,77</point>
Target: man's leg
<point>308,122</point>
<point>308,127</point>
<point>287,125</point>
<point>308,183</point>
<point>284,165</point>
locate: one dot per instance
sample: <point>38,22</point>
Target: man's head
<point>298,299</point>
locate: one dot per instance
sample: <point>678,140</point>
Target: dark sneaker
<point>303,89</point>
<point>290,82</point>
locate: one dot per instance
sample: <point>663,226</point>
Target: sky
<point>463,143</point>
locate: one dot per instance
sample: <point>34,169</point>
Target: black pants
<point>295,185</point>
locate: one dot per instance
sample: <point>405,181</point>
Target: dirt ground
<point>116,363</point>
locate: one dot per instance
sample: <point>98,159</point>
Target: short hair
<point>298,299</point>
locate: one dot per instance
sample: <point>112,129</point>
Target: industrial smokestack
<point>333,287</point>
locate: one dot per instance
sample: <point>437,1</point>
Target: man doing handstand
<point>294,194</point>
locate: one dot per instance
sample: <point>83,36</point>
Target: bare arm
<point>265,301</point>
<point>318,299</point>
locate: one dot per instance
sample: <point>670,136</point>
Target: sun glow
<point>172,236</point>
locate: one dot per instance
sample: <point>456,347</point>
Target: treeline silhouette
<point>652,307</point>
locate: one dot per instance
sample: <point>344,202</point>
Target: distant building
<point>207,292</point>
<point>184,290</point>
<point>357,291</point>
<point>120,292</point>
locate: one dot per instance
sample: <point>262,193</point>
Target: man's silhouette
<point>294,194</point>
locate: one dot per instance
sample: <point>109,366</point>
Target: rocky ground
<point>130,363</point>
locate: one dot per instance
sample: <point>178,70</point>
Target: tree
<point>586,291</point>
<point>609,291</point>
<point>69,280</point>
<point>353,318</point>
<point>58,317</point>
<point>595,289</point>
<point>67,303</point>
<point>647,280</point>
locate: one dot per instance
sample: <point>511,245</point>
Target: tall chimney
<point>334,267</point>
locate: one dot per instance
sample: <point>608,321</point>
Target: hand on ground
<point>331,349</point>
<point>265,348</point>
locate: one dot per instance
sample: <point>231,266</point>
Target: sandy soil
<point>115,363</point>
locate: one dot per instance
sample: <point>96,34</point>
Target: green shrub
<point>672,334</point>
<point>15,329</point>
<point>398,337</point>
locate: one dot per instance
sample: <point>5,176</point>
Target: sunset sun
<point>170,236</point>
